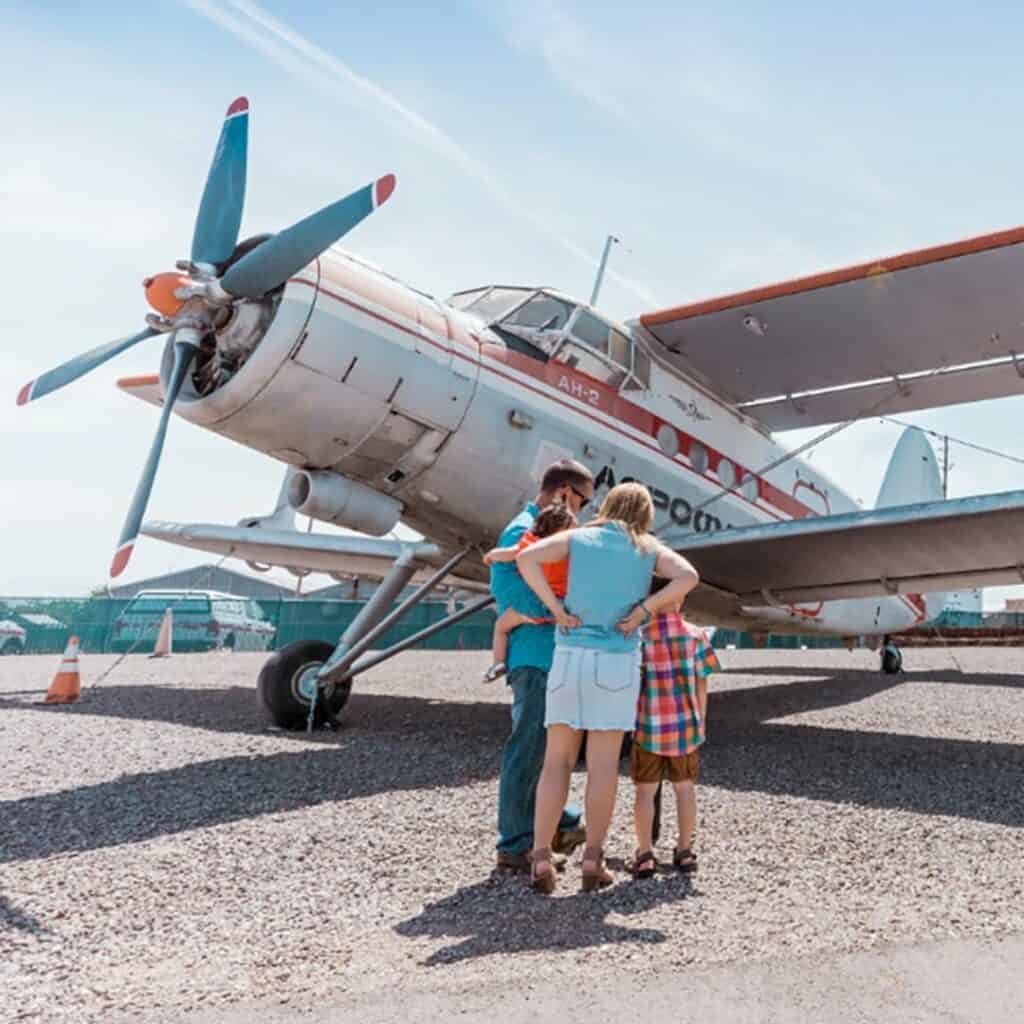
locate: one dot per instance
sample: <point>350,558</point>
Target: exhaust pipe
<point>333,498</point>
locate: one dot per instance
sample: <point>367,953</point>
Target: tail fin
<point>913,474</point>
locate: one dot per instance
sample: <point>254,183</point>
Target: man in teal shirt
<point>530,652</point>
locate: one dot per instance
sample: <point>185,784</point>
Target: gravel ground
<point>161,847</point>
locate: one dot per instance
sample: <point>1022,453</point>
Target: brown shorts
<point>648,767</point>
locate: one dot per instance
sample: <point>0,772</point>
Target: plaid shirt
<point>676,655</point>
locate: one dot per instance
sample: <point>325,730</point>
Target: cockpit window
<point>537,327</point>
<point>641,377</point>
<point>460,300</point>
<point>542,311</point>
<point>495,301</point>
<point>592,330</point>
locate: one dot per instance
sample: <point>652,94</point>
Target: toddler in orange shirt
<point>554,519</point>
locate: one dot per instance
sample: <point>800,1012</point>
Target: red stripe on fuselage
<point>621,410</point>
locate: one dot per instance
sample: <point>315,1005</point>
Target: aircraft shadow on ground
<point>876,769</point>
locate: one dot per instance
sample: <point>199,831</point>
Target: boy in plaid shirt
<point>671,712</point>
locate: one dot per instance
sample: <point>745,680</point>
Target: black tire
<point>229,643</point>
<point>12,647</point>
<point>279,685</point>
<point>892,660</point>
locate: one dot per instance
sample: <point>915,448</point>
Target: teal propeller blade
<point>220,210</point>
<point>286,253</point>
<point>79,366</point>
<point>184,351</point>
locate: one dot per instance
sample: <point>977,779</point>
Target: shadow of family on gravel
<point>502,915</point>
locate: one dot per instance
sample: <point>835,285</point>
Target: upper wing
<point>936,546</point>
<point>924,329</point>
<point>370,557</point>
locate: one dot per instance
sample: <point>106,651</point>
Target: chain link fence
<point>94,622</point>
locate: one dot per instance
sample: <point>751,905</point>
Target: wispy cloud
<point>684,87</point>
<point>298,55</point>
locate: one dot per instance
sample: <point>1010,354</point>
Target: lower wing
<point>935,546</point>
<point>368,557</point>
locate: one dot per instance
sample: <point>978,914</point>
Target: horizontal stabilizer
<point>923,548</point>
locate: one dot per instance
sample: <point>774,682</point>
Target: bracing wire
<point>955,440</point>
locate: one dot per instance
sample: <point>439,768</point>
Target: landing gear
<point>288,681</point>
<point>892,658</point>
<point>311,670</point>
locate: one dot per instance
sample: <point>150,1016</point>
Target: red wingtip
<point>383,189</point>
<point>121,559</point>
<point>240,106</point>
<point>25,393</point>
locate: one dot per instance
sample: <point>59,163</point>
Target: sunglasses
<point>584,500</point>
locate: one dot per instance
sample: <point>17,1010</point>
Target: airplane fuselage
<point>424,402</point>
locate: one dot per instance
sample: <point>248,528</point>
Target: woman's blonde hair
<point>629,506</point>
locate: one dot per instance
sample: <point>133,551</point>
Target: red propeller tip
<point>121,559</point>
<point>382,189</point>
<point>240,106</point>
<point>25,394</point>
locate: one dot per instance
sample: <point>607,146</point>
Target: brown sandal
<point>542,881</point>
<point>644,864</point>
<point>600,877</point>
<point>685,861</point>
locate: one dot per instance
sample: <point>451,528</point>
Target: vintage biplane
<point>387,405</point>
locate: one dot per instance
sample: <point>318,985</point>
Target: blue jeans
<point>521,762</point>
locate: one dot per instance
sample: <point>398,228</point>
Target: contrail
<point>303,58</point>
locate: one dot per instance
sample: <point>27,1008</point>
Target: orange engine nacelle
<point>160,292</point>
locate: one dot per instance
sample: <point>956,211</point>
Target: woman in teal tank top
<point>595,677</point>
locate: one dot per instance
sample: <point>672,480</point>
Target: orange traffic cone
<point>163,640</point>
<point>67,684</point>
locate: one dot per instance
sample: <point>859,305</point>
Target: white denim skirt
<point>591,689</point>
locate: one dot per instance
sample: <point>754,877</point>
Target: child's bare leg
<point>643,815</point>
<point>686,808</point>
<point>508,620</point>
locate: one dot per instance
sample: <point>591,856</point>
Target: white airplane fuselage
<point>361,375</point>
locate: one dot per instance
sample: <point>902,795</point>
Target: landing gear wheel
<point>287,681</point>
<point>892,659</point>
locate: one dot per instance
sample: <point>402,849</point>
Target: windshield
<point>495,301</point>
<point>540,322</point>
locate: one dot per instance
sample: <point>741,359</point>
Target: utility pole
<point>945,466</point>
<point>600,269</point>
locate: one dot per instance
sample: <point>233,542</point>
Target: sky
<point>727,148</point>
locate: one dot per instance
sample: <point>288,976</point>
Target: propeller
<point>184,351</point>
<point>187,302</point>
<point>79,366</point>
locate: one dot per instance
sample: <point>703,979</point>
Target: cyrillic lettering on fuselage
<point>680,511</point>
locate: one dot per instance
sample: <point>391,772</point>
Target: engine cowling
<point>333,498</point>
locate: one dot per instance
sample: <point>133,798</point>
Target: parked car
<point>204,620</point>
<point>12,637</point>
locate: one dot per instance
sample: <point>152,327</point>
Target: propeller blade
<point>183,353</point>
<point>78,367</point>
<point>273,262</point>
<point>220,210</point>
